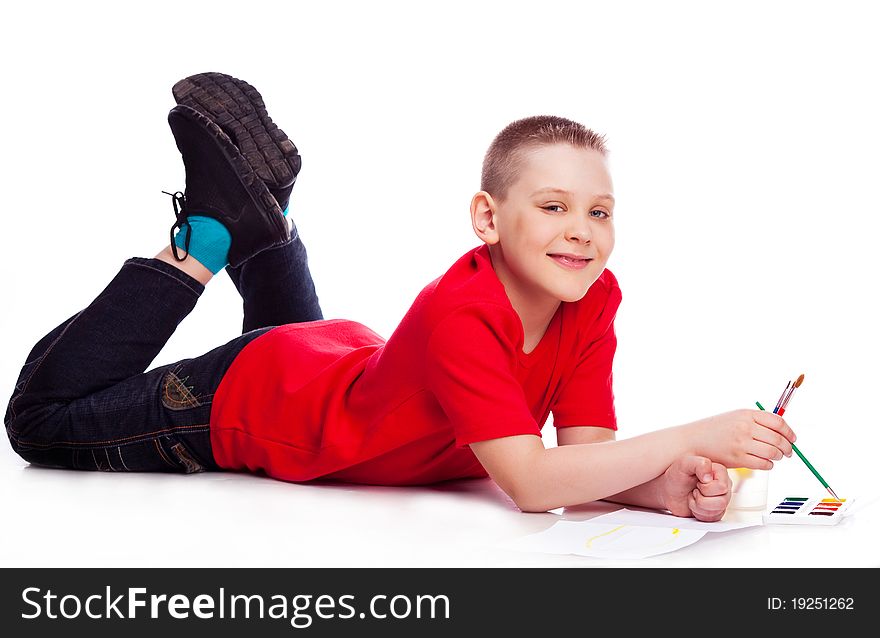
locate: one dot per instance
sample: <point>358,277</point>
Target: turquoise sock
<point>209,242</point>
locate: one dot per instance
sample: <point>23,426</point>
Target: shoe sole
<point>259,193</point>
<point>238,108</point>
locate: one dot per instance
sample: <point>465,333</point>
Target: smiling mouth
<point>570,262</point>
<point>570,258</point>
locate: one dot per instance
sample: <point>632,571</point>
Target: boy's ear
<point>483,217</point>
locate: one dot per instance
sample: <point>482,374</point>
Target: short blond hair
<point>504,159</point>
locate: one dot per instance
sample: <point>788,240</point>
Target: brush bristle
<point>799,381</point>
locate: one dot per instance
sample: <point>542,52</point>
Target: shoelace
<point>178,200</point>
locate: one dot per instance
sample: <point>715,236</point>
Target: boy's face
<point>535,224</point>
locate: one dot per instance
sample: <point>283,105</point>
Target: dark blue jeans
<point>83,399</point>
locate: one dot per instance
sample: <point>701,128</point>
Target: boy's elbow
<point>519,493</point>
<point>528,507</point>
<point>529,500</point>
<point>515,464</point>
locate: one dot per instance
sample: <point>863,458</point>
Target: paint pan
<point>803,510</point>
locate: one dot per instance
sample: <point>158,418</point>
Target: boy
<point>517,328</point>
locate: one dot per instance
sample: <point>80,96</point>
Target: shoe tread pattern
<point>239,109</point>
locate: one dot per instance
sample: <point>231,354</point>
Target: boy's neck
<point>534,328</point>
<point>535,315</point>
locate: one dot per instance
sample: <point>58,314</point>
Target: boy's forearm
<point>574,474</point>
<point>644,495</point>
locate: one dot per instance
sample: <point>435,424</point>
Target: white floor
<point>79,519</point>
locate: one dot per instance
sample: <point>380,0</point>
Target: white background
<point>744,145</point>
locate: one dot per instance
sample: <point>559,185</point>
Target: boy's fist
<point>695,486</point>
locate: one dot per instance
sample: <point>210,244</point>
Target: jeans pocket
<point>158,454</point>
<point>186,458</point>
<point>178,395</point>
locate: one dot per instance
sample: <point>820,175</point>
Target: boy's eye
<point>598,214</point>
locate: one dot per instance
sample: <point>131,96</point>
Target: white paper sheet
<point>730,521</point>
<point>608,540</point>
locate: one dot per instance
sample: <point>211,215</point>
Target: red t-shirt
<point>333,400</point>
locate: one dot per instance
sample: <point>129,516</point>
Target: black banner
<point>427,602</point>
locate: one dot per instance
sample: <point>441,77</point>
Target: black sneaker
<point>238,109</point>
<point>221,184</point>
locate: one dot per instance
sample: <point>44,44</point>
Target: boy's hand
<point>743,438</point>
<point>695,486</point>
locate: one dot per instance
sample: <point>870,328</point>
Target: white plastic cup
<point>748,489</point>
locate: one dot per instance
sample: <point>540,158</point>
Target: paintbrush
<point>782,396</point>
<point>780,409</point>
<point>783,400</point>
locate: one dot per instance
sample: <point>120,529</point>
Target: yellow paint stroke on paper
<point>675,532</point>
<point>590,540</point>
<point>589,544</point>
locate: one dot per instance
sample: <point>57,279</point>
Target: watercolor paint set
<point>801,510</point>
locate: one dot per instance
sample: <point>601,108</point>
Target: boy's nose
<point>580,230</point>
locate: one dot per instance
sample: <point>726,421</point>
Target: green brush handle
<point>803,458</point>
<point>810,465</point>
